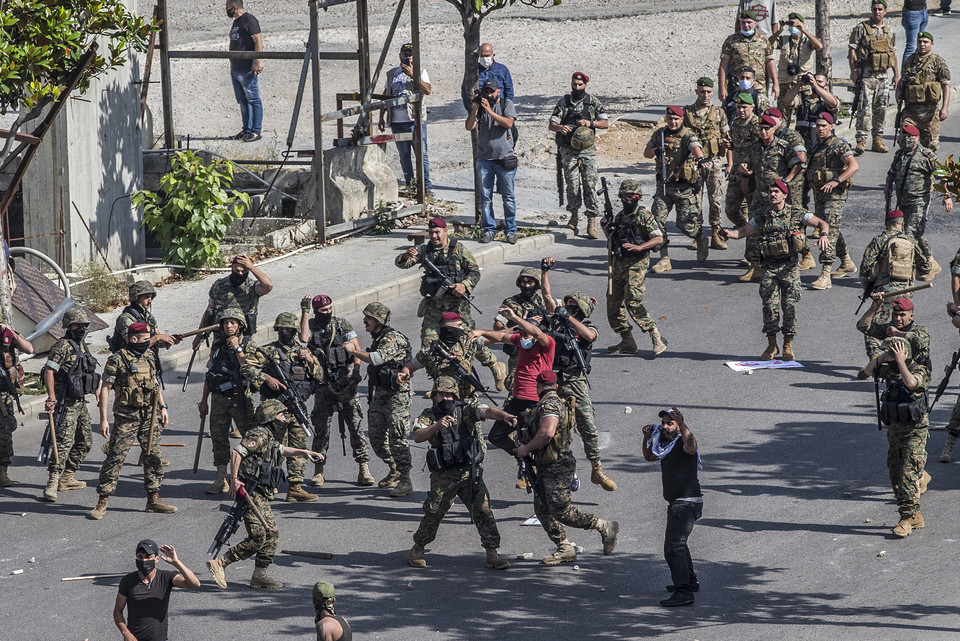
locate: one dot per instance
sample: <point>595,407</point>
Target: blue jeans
<point>405,149</point>
<point>681,515</point>
<point>489,169</point>
<point>247,92</point>
<point>913,23</point>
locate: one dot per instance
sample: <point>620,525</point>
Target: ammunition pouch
<point>897,405</point>
<point>923,93</point>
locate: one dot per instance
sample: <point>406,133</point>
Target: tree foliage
<point>947,177</point>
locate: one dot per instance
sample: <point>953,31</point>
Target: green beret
<point>883,2</point>
<point>795,16</point>
<point>704,82</point>
<point>925,34</point>
<point>747,13</point>
<point>745,98</point>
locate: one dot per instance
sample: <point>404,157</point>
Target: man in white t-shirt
<point>399,81</point>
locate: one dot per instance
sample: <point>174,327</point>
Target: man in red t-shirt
<point>535,355</point>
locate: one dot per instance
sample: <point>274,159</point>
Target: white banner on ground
<point>745,366</point>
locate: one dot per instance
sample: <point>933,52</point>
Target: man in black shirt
<point>681,489</point>
<point>245,36</point>
<point>330,626</point>
<point>146,593</point>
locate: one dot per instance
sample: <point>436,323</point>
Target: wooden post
<point>166,84</point>
<point>824,61</point>
<point>319,208</point>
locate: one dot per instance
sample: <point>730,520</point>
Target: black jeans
<point>500,432</point>
<point>681,515</point>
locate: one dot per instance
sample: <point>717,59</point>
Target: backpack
<point>551,452</point>
<point>897,261</point>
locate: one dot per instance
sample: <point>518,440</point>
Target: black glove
<point>562,313</point>
<point>545,266</point>
<point>723,234</point>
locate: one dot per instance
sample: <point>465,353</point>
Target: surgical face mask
<point>231,12</point>
<point>238,279</point>
<point>138,348</point>
<point>747,34</point>
<point>527,343</point>
<point>745,85</point>
<point>527,291</point>
<point>447,406</point>
<point>145,566</point>
<point>794,31</point>
<point>323,319</point>
<point>486,61</point>
<point>450,335</point>
<point>286,335</point>
<point>577,94</point>
<point>76,335</point>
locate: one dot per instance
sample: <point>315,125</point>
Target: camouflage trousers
<point>629,284</point>
<point>585,416</point>
<point>127,428</point>
<point>324,407</point>
<point>906,457</point>
<point>953,427</point>
<point>580,177</point>
<point>926,118</point>
<point>829,208</point>
<point>780,288</point>
<point>511,367</point>
<point>260,540</point>
<point>735,202</point>
<point>686,199</point>
<point>786,108</point>
<point>433,308</point>
<point>74,438</point>
<point>872,108</point>
<point>915,222</point>
<point>225,411</point>
<point>713,181</point>
<point>389,419</point>
<point>293,435</point>
<point>555,509</point>
<point>8,425</point>
<point>445,487</point>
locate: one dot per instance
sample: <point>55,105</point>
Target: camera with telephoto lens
<point>793,69</point>
<point>477,98</point>
<point>805,79</point>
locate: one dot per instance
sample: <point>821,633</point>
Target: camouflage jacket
<point>876,251</point>
<point>470,423</point>
<point>257,446</point>
<point>754,51</point>
<point>464,351</point>
<point>568,111</point>
<point>910,177</point>
<point>245,297</point>
<point>257,364</point>
<point>710,124</point>
<point>928,70</point>
<point>133,379</point>
<point>549,405</point>
<point>744,136</point>
<point>677,151</point>
<point>522,307</point>
<point>134,314</point>
<point>918,336</point>
<point>771,162</point>
<point>874,48</point>
<point>796,142</point>
<point>637,227</point>
<point>61,358</point>
<point>390,349</point>
<point>825,162</point>
<point>461,261</point>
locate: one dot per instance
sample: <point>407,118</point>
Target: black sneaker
<point>252,137</point>
<point>673,588</point>
<point>677,599</point>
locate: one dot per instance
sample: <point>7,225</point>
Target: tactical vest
<point>456,446</point>
<point>295,371</point>
<point>224,376</point>
<point>571,115</point>
<point>876,48</point>
<point>819,172</point>
<point>328,341</point>
<point>780,236</point>
<point>82,379</point>
<point>14,369</point>
<point>708,130</point>
<point>564,360</point>
<point>447,263</point>
<point>899,405</point>
<point>266,469</point>
<point>384,376</point>
<point>681,164</point>
<point>550,452</point>
<point>135,385</point>
<point>624,232</point>
<point>116,342</point>
<point>920,83</point>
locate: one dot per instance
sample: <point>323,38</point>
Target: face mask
<point>486,62</point>
<point>527,343</point>
<point>450,335</point>
<point>76,335</point>
<point>286,335</point>
<point>575,311</point>
<point>745,85</point>
<point>447,406</point>
<point>629,204</point>
<point>238,279</point>
<point>145,566</point>
<point>794,31</point>
<point>231,12</point>
<point>577,94</point>
<point>747,34</point>
<point>138,348</point>
<point>527,291</point>
<point>541,394</point>
<point>323,319</point>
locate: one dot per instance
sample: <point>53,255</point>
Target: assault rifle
<point>6,385</point>
<point>445,282</point>
<point>569,335</point>
<point>48,444</point>
<point>527,473</point>
<point>459,371</point>
<point>607,222</point>
<point>343,426</point>
<point>289,396</point>
<point>235,515</point>
<point>907,290</point>
<point>857,88</point>
<point>948,370</point>
<point>662,174</point>
<point>560,186</point>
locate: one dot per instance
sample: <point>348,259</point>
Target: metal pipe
<point>299,101</point>
<point>56,268</point>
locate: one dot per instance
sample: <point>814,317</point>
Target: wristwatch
<point>162,407</point>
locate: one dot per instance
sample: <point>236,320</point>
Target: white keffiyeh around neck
<point>660,450</point>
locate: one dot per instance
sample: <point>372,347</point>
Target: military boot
<point>574,222</point>
<point>592,229</point>
<point>925,479</point>
<point>154,504</point>
<point>935,269</point>
<point>752,273</point>
<point>50,492</point>
<point>663,265</point>
<point>626,345</point>
<point>703,247</point>
<point>67,482</point>
<point>788,354</point>
<point>4,479</point>
<point>772,349</point>
<point>219,486</point>
<point>391,478</point>
<point>364,478</point>
<point>494,560</point>
<point>716,242</point>
<point>847,266</point>
<point>597,477</point>
<point>216,567</point>
<point>565,553</point>
<point>807,262</point>
<point>404,485</point>
<point>317,480</point>
<point>261,580</point>
<point>296,494</point>
<point>823,281</point>
<point>860,148</point>
<point>499,371</point>
<point>878,145</point>
<point>608,534</point>
<point>946,456</point>
<point>522,483</point>
<point>908,524</point>
<point>415,556</point>
<point>97,513</point>
<point>659,342</point>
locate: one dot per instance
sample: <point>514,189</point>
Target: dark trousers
<point>500,433</point>
<point>681,515</point>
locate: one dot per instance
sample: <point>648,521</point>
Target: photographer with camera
<point>811,96</point>
<point>797,46</point>
<point>496,138</point>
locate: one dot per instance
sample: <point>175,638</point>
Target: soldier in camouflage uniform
<point>744,136</point>
<point>575,120</point>
<point>527,302</point>
<point>899,321</point>
<point>799,183</point>
<point>747,85</point>
<point>830,174</point>
<point>455,262</point>
<point>811,95</point>
<point>304,373</point>
<point>925,91</point>
<point>69,374</point>
<point>631,235</point>
<point>138,413</point>
<point>910,182</point>
<point>227,390</point>
<point>872,53</point>
<point>141,295</point>
<point>780,228</point>
<point>545,438</point>
<point>903,409</point>
<point>325,336</point>
<point>255,464</point>
<point>456,451</point>
<point>237,291</point>
<point>710,124</point>
<point>679,161</point>
<point>953,310</point>
<point>440,358</point>
<point>389,413</point>
<point>10,343</point>
<point>748,47</point>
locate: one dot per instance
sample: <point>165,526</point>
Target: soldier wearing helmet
<point>304,373</point>
<point>142,293</point>
<point>227,391</point>
<point>70,375</point>
<point>237,291</point>
<point>325,336</point>
<point>632,234</point>
<point>575,120</point>
<point>452,428</point>
<point>527,302</point>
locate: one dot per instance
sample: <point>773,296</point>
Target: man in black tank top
<point>330,626</point>
<point>673,444</point>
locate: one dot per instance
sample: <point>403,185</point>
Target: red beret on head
<point>910,130</point>
<point>321,301</point>
<point>826,115</point>
<point>902,305</point>
<point>450,317</point>
<point>579,75</point>
<point>138,328</point>
<point>776,113</point>
<point>675,111</point>
<point>436,221</point>
<point>547,376</point>
<point>767,120</point>
<point>782,186</point>
<point>894,213</point>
